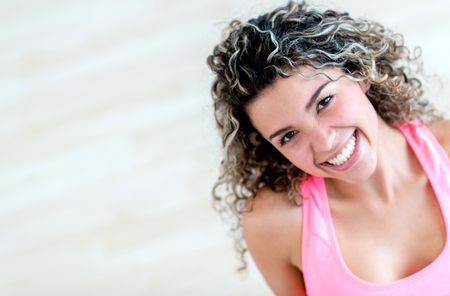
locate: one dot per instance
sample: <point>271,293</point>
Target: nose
<point>322,140</point>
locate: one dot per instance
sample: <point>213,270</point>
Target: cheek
<point>354,108</point>
<point>301,157</point>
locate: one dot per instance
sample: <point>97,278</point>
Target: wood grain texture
<point>108,148</point>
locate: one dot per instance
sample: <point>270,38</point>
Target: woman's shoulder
<point>272,223</point>
<point>270,208</point>
<point>441,131</point>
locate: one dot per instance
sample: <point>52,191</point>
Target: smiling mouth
<point>345,154</point>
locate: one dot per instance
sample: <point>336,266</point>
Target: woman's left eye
<point>287,137</point>
<point>324,102</point>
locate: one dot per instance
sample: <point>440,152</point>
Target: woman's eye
<point>324,102</point>
<point>287,137</point>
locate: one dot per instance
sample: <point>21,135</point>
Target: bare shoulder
<point>269,206</point>
<point>441,131</point>
<point>272,217</point>
<point>272,231</point>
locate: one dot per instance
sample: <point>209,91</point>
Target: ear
<point>365,85</point>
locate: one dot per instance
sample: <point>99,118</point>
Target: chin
<point>363,174</point>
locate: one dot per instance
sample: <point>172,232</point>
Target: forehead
<point>284,94</point>
<point>304,80</point>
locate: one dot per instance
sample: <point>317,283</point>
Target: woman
<point>335,166</point>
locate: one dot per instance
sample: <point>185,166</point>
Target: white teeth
<point>345,154</point>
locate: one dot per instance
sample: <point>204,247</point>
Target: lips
<point>346,156</point>
<point>345,153</point>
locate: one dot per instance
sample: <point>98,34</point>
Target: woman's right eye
<point>324,102</point>
<point>287,137</point>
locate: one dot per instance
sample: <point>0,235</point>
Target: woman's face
<point>326,128</point>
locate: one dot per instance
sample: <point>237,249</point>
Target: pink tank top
<point>324,270</point>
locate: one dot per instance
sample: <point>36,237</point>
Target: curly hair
<point>254,53</point>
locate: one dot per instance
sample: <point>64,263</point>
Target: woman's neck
<point>396,167</point>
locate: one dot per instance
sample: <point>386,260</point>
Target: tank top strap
<point>427,149</point>
<point>435,162</point>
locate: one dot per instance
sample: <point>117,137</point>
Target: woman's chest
<point>393,243</point>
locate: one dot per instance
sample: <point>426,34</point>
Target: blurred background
<point>108,148</point>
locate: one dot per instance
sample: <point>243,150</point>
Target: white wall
<point>108,148</point>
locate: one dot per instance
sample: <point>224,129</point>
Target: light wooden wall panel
<point>108,148</point>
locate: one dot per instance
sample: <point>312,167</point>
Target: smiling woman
<point>331,154</point>
<point>320,131</point>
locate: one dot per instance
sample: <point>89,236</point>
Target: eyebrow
<point>311,101</point>
<point>315,94</point>
<point>278,132</point>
